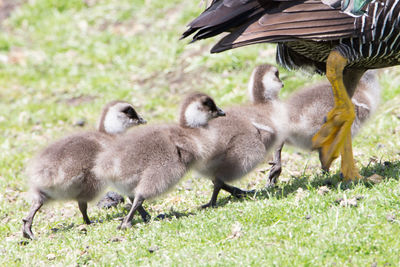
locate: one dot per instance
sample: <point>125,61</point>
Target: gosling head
<point>197,109</point>
<point>117,116</point>
<point>264,84</point>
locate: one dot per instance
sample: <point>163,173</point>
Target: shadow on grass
<point>119,212</point>
<point>63,227</point>
<point>173,214</point>
<point>388,170</point>
<point>117,215</point>
<point>123,211</point>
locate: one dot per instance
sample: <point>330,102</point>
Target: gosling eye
<point>210,104</point>
<point>130,112</point>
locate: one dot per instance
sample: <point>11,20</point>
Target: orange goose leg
<point>334,137</point>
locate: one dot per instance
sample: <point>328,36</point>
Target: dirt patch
<point>7,7</point>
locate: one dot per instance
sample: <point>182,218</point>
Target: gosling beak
<point>142,121</point>
<point>220,112</point>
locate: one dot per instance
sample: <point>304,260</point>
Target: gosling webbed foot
<point>124,225</point>
<point>209,205</point>
<point>27,230</point>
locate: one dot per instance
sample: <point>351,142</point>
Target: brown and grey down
<point>63,170</point>
<point>307,108</point>
<point>147,161</point>
<point>246,134</point>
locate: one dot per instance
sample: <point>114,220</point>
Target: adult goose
<point>339,38</point>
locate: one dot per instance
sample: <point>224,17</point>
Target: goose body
<point>342,38</point>
<point>306,31</point>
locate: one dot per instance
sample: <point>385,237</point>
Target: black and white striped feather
<point>306,31</point>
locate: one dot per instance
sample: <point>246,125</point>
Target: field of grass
<point>60,61</point>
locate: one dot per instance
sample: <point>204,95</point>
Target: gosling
<point>246,134</point>
<point>307,108</point>
<point>147,161</point>
<point>63,170</point>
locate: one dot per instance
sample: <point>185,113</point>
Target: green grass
<point>62,60</point>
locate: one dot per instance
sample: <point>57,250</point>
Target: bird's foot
<point>26,230</point>
<point>124,225</point>
<point>146,218</point>
<point>348,168</point>
<point>209,205</point>
<point>274,173</point>
<point>239,193</point>
<point>88,221</point>
<point>334,138</point>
